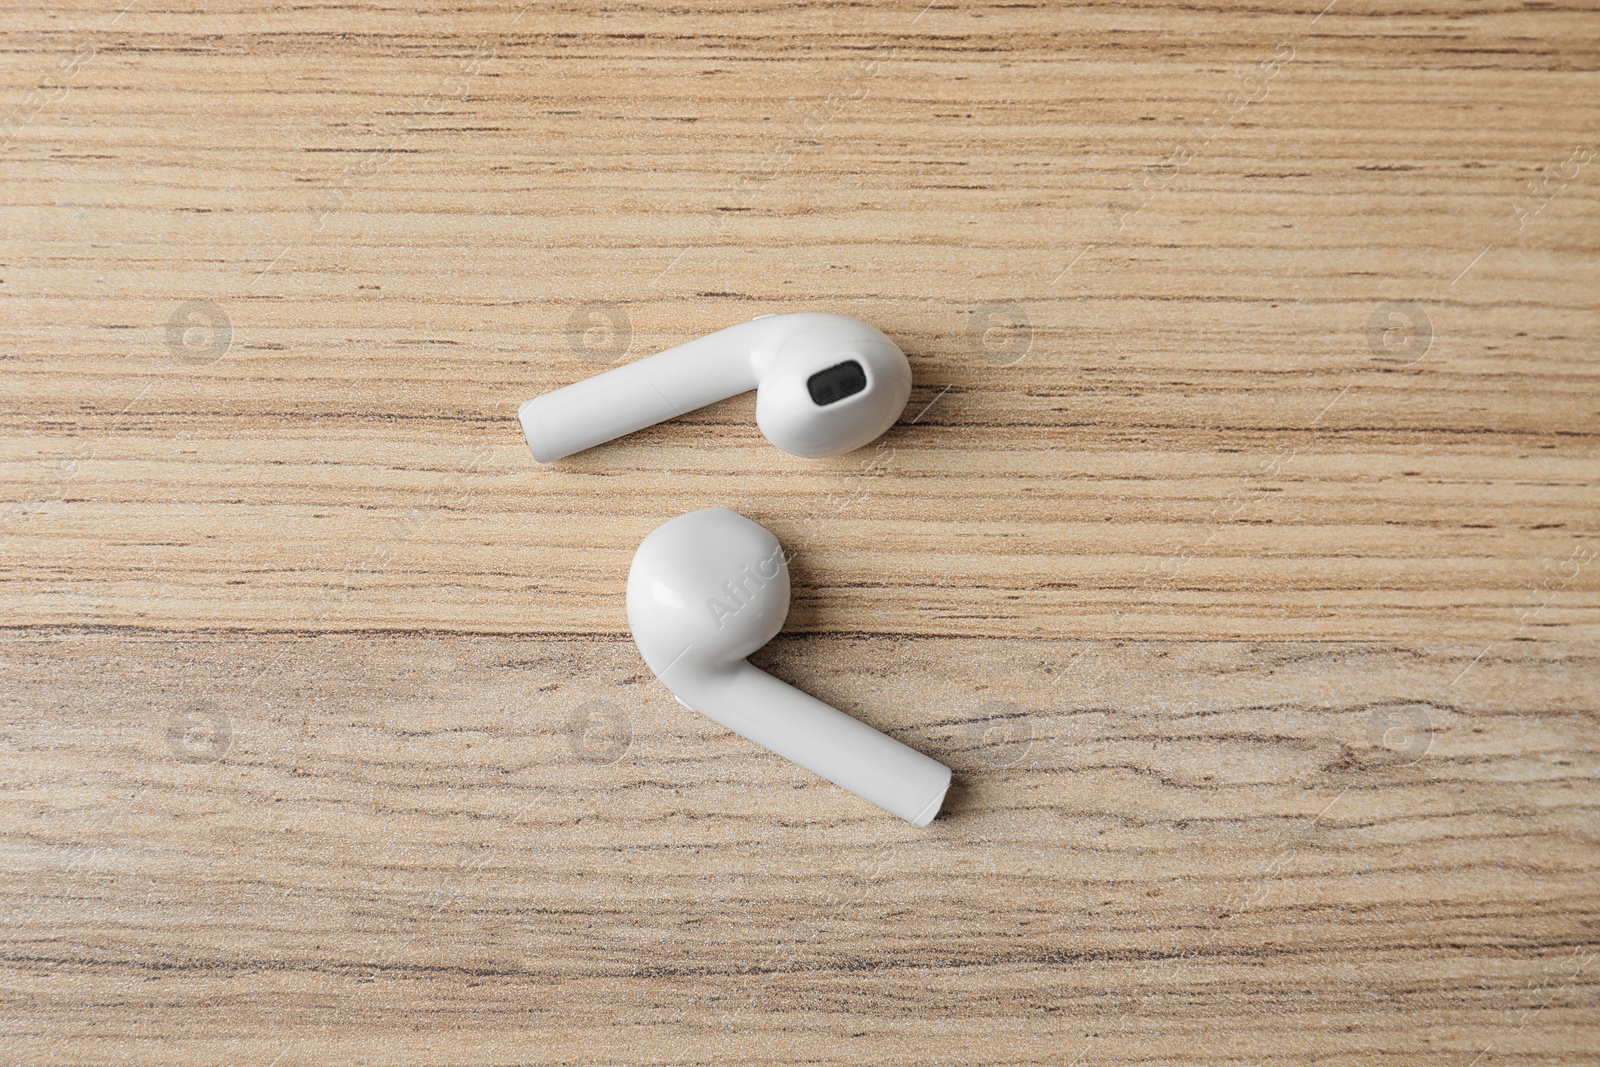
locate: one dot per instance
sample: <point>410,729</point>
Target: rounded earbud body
<point>825,384</point>
<point>705,591</point>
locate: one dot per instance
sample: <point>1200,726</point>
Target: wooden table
<point>1238,547</point>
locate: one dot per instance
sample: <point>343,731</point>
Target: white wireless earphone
<point>705,591</point>
<point>824,384</point>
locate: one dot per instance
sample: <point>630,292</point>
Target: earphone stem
<point>639,394</point>
<point>824,740</point>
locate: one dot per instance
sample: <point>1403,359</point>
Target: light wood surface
<point>1238,547</point>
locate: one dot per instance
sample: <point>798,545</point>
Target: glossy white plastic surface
<point>774,354</point>
<point>709,588</point>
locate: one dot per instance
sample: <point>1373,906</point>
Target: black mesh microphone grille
<point>836,382</point>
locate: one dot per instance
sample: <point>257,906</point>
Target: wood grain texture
<point>1238,547</point>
